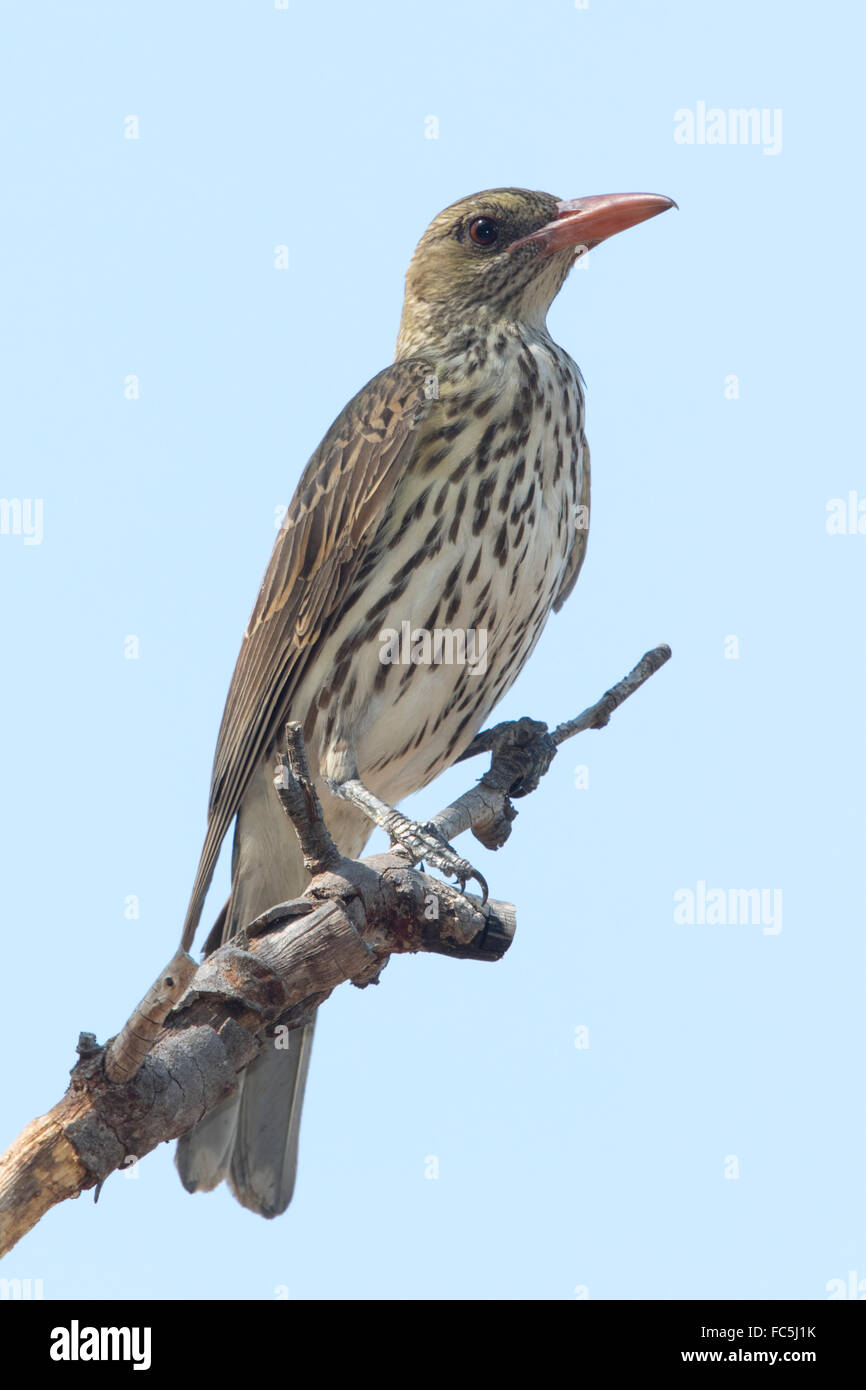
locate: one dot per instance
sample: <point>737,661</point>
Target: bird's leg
<point>417,841</point>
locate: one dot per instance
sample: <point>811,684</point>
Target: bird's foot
<point>424,842</point>
<point>416,841</point>
<point>522,751</point>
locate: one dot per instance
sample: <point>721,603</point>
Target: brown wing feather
<point>578,550</point>
<point>338,505</point>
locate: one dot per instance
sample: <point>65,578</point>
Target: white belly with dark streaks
<point>421,715</point>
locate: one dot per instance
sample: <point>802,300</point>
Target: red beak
<point>584,222</point>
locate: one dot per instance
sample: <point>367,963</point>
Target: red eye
<point>484,231</point>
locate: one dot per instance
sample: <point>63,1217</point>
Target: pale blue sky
<point>560,1168</point>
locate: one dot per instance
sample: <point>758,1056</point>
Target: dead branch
<point>195,1030</point>
<point>522,751</point>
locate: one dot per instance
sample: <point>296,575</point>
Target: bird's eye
<point>484,231</point>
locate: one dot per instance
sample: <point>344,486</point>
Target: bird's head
<point>503,255</point>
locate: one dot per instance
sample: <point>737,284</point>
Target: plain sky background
<point>712,1049</point>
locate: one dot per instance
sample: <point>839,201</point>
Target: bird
<point>451,494</point>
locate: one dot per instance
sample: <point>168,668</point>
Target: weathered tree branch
<point>182,1050</point>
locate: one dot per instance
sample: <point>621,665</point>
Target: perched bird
<point>452,493</point>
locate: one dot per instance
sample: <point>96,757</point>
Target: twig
<point>132,1044</point>
<point>486,809</point>
<point>597,715</point>
<point>297,794</point>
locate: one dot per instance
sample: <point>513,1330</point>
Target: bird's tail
<point>251,1140</point>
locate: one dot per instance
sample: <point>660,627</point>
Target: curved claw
<point>462,879</point>
<point>450,862</point>
<point>482,882</point>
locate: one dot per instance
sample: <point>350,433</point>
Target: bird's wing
<point>578,549</point>
<point>339,503</point>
